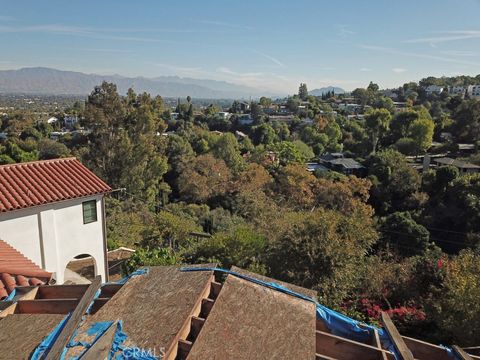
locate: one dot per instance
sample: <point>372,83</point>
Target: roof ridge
<point>39,162</point>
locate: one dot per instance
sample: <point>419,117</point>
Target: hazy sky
<point>268,44</point>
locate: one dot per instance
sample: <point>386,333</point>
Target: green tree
<point>403,235</point>
<point>322,249</point>
<point>228,149</point>
<point>377,123</point>
<point>49,149</point>
<point>303,92</point>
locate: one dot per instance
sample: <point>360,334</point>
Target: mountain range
<point>324,90</point>
<point>40,80</point>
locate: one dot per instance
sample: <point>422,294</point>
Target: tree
<point>421,131</point>
<point>457,309</point>
<point>265,102</point>
<point>395,183</point>
<point>240,246</point>
<point>377,123</point>
<point>49,149</point>
<point>321,249</point>
<point>124,147</point>
<point>263,134</point>
<point>403,235</point>
<point>203,178</point>
<point>467,121</point>
<point>303,92</point>
<point>228,149</point>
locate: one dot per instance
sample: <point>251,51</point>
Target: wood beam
<point>184,347</point>
<point>101,348</point>
<point>46,306</point>
<point>396,338</point>
<point>207,305</point>
<point>460,353</point>
<point>195,327</point>
<point>173,347</point>
<point>422,350</point>
<point>8,310</point>
<point>62,291</point>
<point>215,290</point>
<point>108,290</point>
<point>378,344</point>
<point>74,320</point>
<point>97,304</point>
<point>328,345</point>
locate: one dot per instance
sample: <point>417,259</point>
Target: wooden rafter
<point>74,320</point>
<point>396,338</point>
<point>460,353</point>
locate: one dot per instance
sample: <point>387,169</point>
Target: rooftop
<point>458,163</point>
<point>196,313</point>
<point>42,182</point>
<point>18,270</point>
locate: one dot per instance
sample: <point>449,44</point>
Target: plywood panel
<point>154,306</point>
<point>249,321</point>
<point>304,291</point>
<point>20,334</point>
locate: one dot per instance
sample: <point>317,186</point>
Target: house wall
<point>52,235</point>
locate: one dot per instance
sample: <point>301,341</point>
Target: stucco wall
<point>52,235</point>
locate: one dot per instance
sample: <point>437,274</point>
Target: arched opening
<point>80,270</point>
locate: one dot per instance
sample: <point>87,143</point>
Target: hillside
<point>324,90</point>
<point>40,80</point>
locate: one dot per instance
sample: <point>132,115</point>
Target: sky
<point>267,44</point>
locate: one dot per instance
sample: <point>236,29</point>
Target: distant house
<point>337,162</point>
<point>473,91</point>
<point>312,167</point>
<point>433,89</point>
<point>174,116</point>
<point>347,166</point>
<point>245,119</point>
<point>53,211</point>
<point>70,121</point>
<point>456,90</point>
<point>464,167</point>
<point>466,148</point>
<point>52,120</point>
<point>224,115</point>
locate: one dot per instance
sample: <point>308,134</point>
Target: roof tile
<point>18,270</point>
<point>41,182</point>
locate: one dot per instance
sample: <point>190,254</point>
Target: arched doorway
<point>80,270</point>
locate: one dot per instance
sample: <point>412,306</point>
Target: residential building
<point>53,211</point>
<point>433,89</point>
<point>70,121</point>
<point>464,167</point>
<point>52,120</point>
<point>473,91</point>
<point>245,119</point>
<point>224,115</point>
<point>456,90</point>
<point>337,162</point>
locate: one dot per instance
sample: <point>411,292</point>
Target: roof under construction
<point>199,312</point>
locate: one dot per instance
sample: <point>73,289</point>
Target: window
<point>89,211</point>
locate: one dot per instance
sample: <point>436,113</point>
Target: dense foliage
<point>200,187</point>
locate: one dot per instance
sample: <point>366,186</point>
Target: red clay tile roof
<point>41,182</point>
<point>18,270</point>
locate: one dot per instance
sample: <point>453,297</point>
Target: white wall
<point>52,235</point>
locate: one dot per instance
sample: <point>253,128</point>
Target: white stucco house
<point>53,211</point>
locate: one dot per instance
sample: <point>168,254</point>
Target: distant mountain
<point>324,90</point>
<point>40,80</point>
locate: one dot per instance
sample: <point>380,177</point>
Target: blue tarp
<point>47,343</point>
